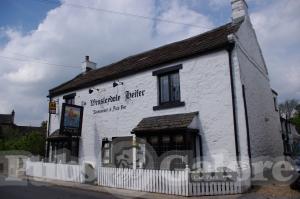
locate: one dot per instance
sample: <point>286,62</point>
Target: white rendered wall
<point>264,123</point>
<point>205,87</point>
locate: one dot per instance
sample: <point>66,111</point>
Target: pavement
<point>29,188</point>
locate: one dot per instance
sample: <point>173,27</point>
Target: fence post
<point>134,152</point>
<point>187,171</point>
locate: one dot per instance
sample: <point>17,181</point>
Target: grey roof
<point>203,43</point>
<point>165,122</point>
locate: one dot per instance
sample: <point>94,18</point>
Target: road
<point>41,190</point>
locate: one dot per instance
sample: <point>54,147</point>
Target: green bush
<point>296,122</point>
<point>33,142</point>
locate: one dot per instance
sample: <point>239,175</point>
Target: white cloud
<point>217,4</point>
<point>181,13</point>
<point>69,33</point>
<point>278,29</point>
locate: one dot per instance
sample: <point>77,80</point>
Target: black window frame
<point>70,98</point>
<point>168,72</point>
<point>275,104</point>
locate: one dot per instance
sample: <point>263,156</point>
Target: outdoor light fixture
<point>117,83</point>
<point>91,90</point>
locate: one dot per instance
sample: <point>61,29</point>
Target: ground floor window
<point>106,152</point>
<point>117,152</point>
<point>169,150</point>
<point>63,150</point>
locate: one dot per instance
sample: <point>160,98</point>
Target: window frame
<point>104,149</point>
<point>171,95</point>
<point>70,97</point>
<point>275,104</point>
<point>168,72</point>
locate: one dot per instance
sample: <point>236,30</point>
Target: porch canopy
<point>169,136</point>
<point>56,135</point>
<point>185,122</point>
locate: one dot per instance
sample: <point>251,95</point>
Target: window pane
<point>175,87</point>
<point>70,101</point>
<point>166,139</point>
<point>164,89</point>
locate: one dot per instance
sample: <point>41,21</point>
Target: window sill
<point>168,105</point>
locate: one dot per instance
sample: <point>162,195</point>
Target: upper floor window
<point>70,99</point>
<point>168,87</point>
<point>275,103</point>
<point>275,94</point>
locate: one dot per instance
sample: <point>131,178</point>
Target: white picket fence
<point>64,172</point>
<point>158,181</point>
<point>163,181</point>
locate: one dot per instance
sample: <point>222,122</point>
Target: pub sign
<point>52,107</point>
<point>71,119</point>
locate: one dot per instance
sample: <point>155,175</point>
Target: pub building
<point>193,100</point>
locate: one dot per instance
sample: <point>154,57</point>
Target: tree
<point>286,108</point>
<point>298,109</point>
<point>44,124</point>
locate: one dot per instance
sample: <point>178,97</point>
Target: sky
<point>43,42</point>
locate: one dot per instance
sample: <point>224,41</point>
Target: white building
<point>205,98</point>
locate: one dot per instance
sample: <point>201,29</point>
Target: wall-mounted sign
<point>71,119</point>
<point>106,102</point>
<point>52,107</point>
<point>213,176</point>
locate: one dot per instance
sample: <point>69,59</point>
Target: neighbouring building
<point>7,119</point>
<point>203,98</point>
<point>8,125</point>
<point>290,137</point>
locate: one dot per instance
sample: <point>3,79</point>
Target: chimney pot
<point>239,10</point>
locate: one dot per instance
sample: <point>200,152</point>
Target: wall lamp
<point>117,83</point>
<point>91,90</point>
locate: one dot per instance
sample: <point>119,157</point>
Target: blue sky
<point>22,14</point>
<point>34,33</point>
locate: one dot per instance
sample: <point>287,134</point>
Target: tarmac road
<point>42,190</point>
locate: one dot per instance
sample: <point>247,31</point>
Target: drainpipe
<point>233,95</point>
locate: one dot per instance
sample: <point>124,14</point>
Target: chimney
<point>13,116</point>
<point>87,65</point>
<point>239,10</point>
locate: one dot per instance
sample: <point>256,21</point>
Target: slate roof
<point>165,122</point>
<point>203,43</point>
<point>6,119</point>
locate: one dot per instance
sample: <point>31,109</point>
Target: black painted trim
<point>72,95</point>
<point>168,105</point>
<point>247,127</point>
<point>247,121</point>
<point>233,94</point>
<point>170,69</point>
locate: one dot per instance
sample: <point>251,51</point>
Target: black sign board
<point>71,119</point>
